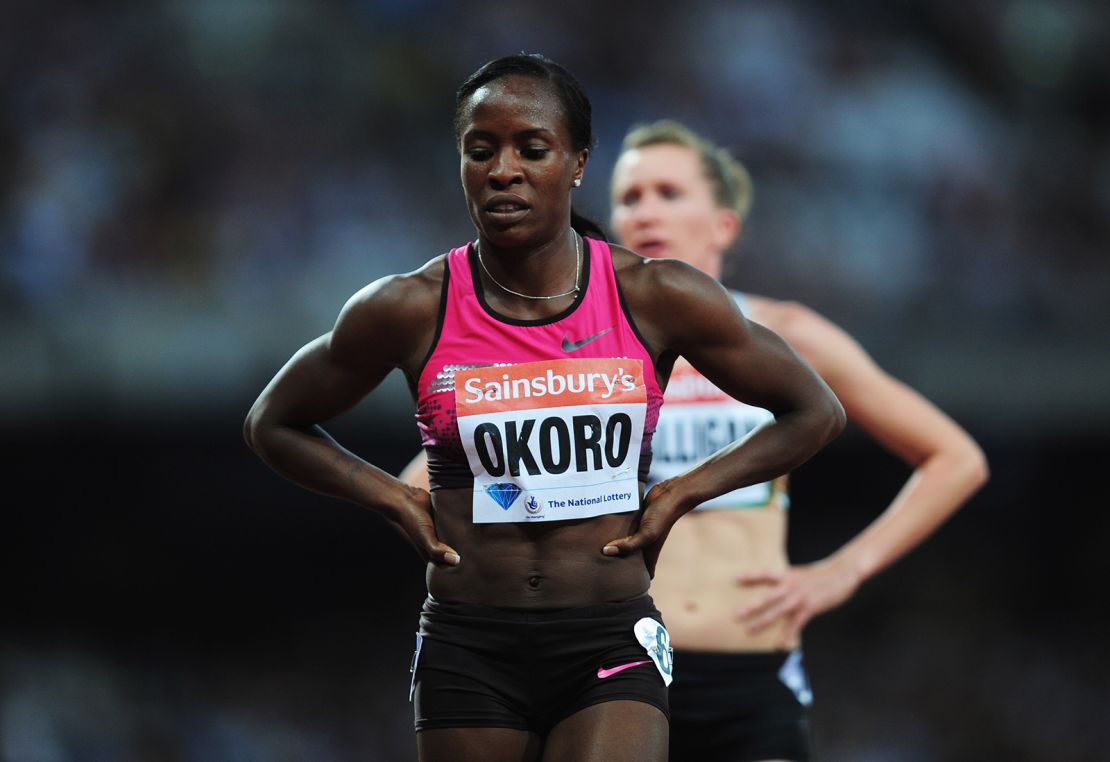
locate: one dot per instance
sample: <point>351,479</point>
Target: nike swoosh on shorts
<point>604,673</point>
<point>570,346</point>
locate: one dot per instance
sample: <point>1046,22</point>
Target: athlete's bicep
<point>684,312</point>
<point>747,361</point>
<point>893,413</point>
<point>315,386</point>
<point>332,373</point>
<point>898,417</point>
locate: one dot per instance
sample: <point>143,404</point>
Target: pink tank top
<point>557,401</point>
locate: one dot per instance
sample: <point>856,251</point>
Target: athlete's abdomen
<point>545,565</point>
<point>695,583</point>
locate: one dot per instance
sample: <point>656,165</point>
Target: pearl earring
<point>577,182</point>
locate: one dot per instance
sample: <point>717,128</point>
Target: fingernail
<point>610,550</point>
<point>452,558</point>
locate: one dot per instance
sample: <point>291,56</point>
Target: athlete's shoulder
<point>674,304</point>
<point>402,292</point>
<point>661,275</point>
<point>818,339</point>
<point>392,311</point>
<point>781,315</point>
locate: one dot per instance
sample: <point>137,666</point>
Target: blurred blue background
<point>190,190</point>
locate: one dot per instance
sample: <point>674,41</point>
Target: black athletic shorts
<point>477,666</point>
<point>739,707</point>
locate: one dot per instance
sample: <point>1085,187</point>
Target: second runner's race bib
<point>696,420</point>
<point>552,440</point>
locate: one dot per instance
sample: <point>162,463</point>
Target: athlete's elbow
<point>966,467</point>
<point>976,467</point>
<point>248,431</point>
<point>254,429</point>
<point>835,418</point>
<point>824,422</point>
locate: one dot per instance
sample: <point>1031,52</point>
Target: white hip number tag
<point>655,639</point>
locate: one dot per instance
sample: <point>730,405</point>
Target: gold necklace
<point>577,272</point>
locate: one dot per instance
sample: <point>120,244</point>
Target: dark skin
<point>518,166</point>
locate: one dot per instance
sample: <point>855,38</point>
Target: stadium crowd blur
<point>190,190</point>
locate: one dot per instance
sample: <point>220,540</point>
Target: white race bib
<point>552,440</point>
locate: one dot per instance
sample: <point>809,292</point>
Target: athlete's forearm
<point>774,449</point>
<point>935,490</point>
<point>416,472</point>
<point>312,459</point>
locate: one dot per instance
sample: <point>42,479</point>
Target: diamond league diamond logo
<point>503,493</point>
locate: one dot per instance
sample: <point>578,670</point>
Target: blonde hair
<point>731,183</point>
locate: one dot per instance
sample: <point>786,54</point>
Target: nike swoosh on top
<point>604,673</point>
<point>570,346</point>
